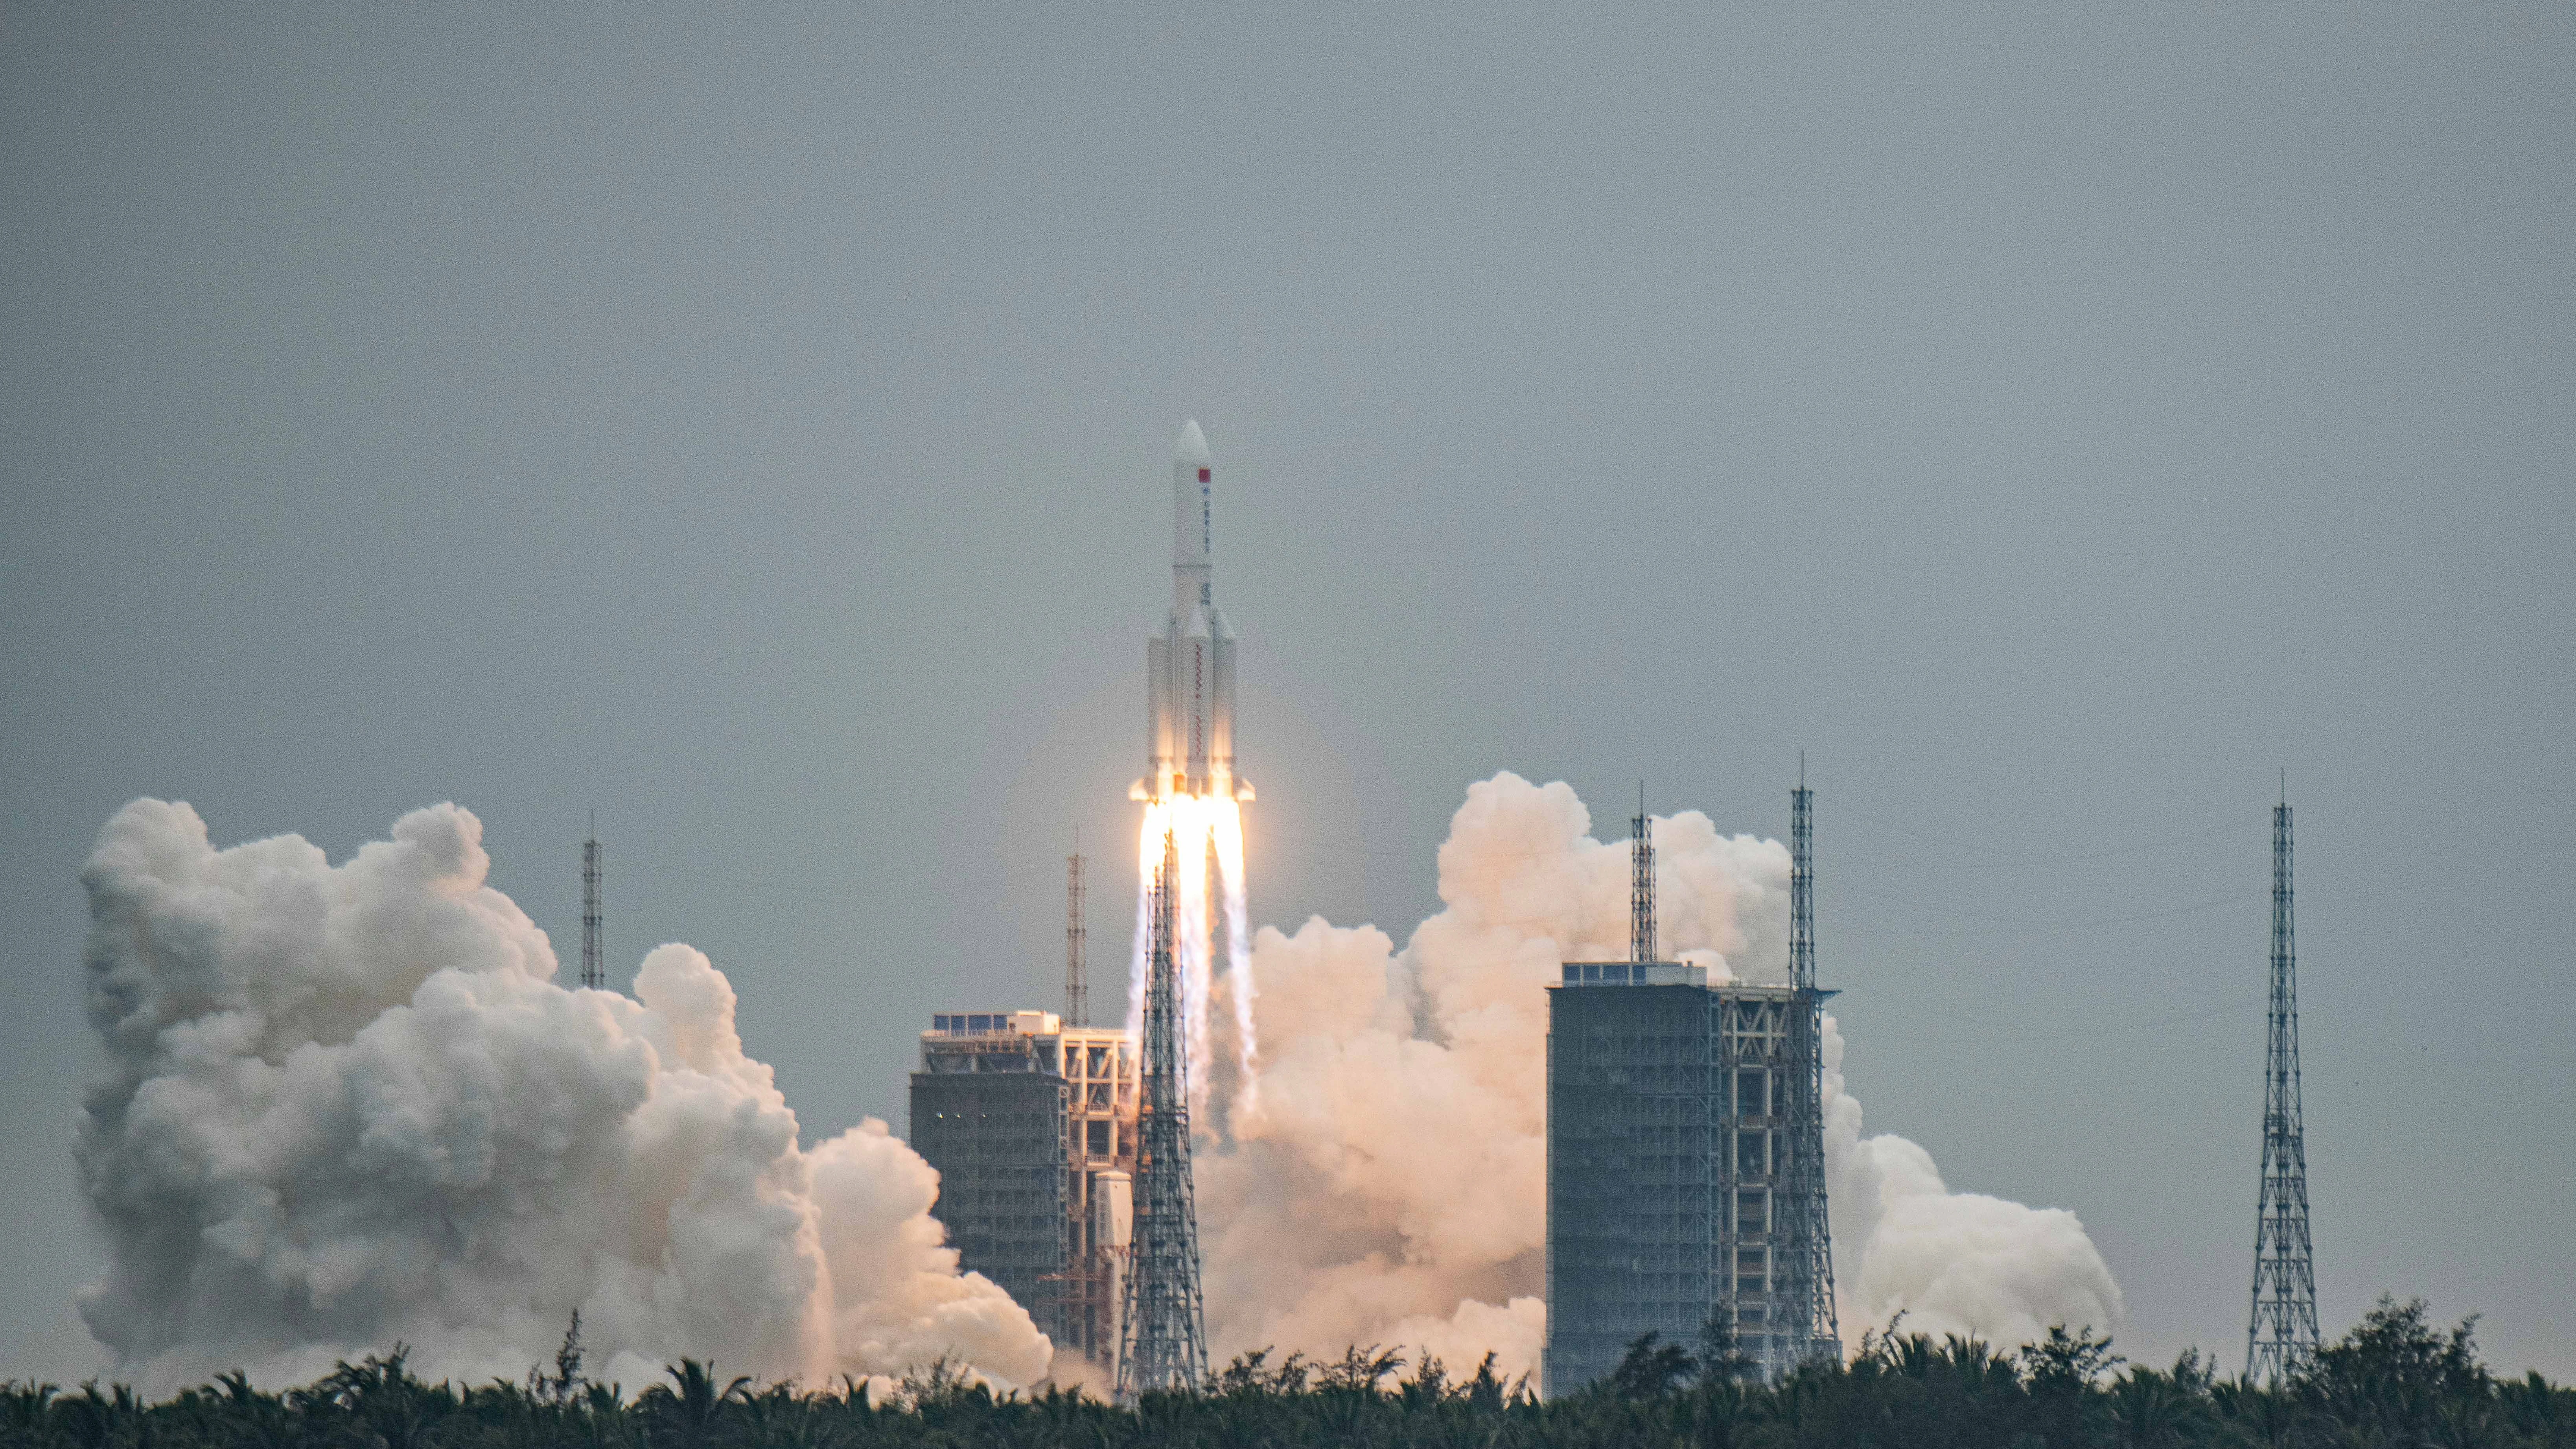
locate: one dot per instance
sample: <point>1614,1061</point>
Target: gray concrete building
<point>1685,1179</point>
<point>1032,1125</point>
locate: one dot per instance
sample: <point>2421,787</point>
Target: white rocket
<point>1189,667</point>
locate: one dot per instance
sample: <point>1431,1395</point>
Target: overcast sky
<point>754,423</point>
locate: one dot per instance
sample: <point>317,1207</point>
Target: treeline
<point>2394,1382</point>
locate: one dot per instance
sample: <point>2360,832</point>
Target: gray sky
<point>755,424</point>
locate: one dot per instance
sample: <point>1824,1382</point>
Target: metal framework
<point>594,965</point>
<point>1641,885</point>
<point>1163,1334</point>
<point>1077,985</point>
<point>2282,1337</point>
<point>1802,884</point>
<point>1807,1287</point>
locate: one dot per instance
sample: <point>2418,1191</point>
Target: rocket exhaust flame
<point>1206,833</point>
<point>1227,830</point>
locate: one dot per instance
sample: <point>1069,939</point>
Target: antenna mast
<point>2282,1338</point>
<point>1164,1327</point>
<point>1810,1246</point>
<point>594,967</point>
<point>1077,986</point>
<point>1641,884</point>
<point>1802,883</point>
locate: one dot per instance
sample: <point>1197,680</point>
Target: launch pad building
<point>1672,1186</point>
<point>1685,1152</point>
<point>1032,1126</point>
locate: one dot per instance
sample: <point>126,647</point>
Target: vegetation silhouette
<point>2394,1382</point>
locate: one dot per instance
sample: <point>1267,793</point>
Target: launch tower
<point>2282,1337</point>
<point>1163,1332</point>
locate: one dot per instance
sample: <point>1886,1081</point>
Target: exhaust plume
<point>1388,1184</point>
<point>1207,831</point>
<point>348,1105</point>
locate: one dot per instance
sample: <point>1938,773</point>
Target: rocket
<point>1189,667</point>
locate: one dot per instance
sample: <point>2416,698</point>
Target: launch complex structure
<point>1686,1192</point>
<point>1063,1152</point>
<point>1685,1149</point>
<point>1064,1149</point>
<point>1685,1188</point>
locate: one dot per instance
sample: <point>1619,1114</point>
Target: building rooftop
<point>1012,1023</point>
<point>1634,973</point>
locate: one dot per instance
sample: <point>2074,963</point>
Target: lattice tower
<point>1641,886</point>
<point>1077,984</point>
<point>1163,1333</point>
<point>2282,1337</point>
<point>594,964</point>
<point>1809,1295</point>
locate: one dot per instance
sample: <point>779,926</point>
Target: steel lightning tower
<point>2282,1337</point>
<point>594,966</point>
<point>1641,885</point>
<point>1163,1335</point>
<point>1808,1272</point>
<point>1077,983</point>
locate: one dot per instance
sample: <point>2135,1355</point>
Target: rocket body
<point>1189,666</point>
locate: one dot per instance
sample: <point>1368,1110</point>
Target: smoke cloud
<point>1388,1183</point>
<point>348,1105</point>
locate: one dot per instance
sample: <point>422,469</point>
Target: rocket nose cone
<point>1192,447</point>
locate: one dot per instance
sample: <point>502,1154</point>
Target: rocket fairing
<point>1189,667</point>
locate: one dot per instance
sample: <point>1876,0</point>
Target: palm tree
<point>691,1402</point>
<point>2254,1415</point>
<point>24,1406</point>
<point>2149,1410</point>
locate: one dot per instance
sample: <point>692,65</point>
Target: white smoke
<point>346,1106</point>
<point>1952,1262</point>
<point>1389,1185</point>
